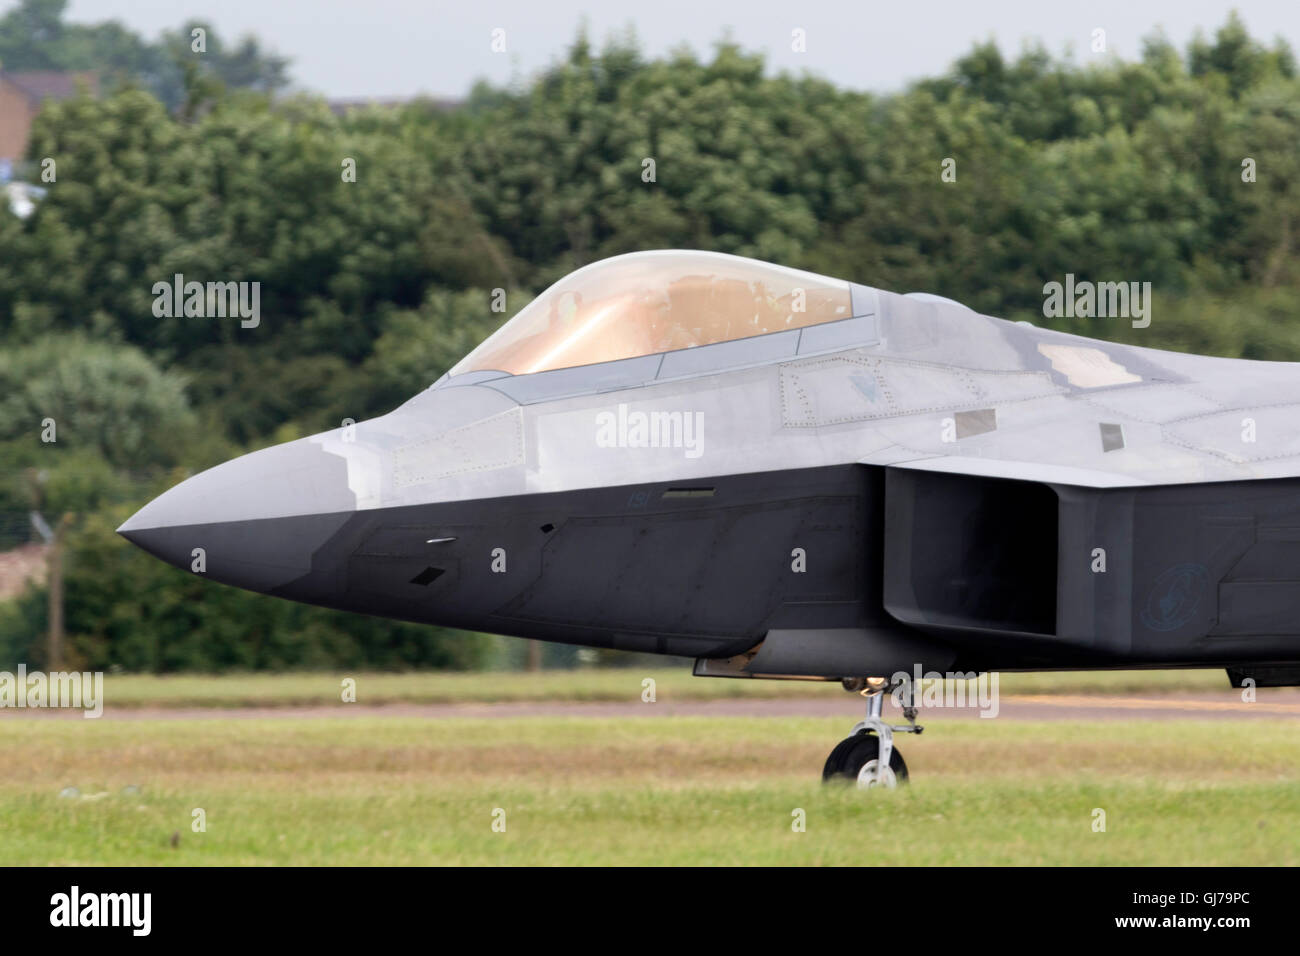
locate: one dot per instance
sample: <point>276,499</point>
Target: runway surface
<point>1283,704</point>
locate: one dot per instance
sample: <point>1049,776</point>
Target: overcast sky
<point>381,48</point>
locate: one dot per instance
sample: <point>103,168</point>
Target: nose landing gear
<point>867,757</point>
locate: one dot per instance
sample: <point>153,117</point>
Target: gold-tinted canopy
<point>650,302</point>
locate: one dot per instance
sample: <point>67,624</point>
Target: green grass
<point>300,689</point>
<point>662,791</point>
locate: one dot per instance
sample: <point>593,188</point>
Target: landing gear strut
<point>867,757</point>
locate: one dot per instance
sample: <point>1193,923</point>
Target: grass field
<point>295,690</point>
<point>661,791</point>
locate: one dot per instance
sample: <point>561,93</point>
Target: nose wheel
<point>856,760</point>
<point>867,757</point>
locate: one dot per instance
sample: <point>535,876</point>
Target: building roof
<point>42,85</point>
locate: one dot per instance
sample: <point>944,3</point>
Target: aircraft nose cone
<point>255,521</point>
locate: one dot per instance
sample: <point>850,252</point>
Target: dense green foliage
<point>370,289</point>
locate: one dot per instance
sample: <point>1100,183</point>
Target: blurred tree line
<point>372,288</point>
<point>34,36</point>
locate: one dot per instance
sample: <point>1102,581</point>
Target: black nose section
<point>256,522</point>
<point>260,555</point>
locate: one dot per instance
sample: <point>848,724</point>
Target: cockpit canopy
<point>649,302</point>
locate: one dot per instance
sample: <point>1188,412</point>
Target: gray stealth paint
<point>299,477</point>
<point>983,544</point>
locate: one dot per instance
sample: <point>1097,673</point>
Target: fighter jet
<point>787,475</point>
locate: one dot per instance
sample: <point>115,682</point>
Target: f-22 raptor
<point>786,475</point>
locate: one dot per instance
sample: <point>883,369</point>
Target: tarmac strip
<point>1075,707</point>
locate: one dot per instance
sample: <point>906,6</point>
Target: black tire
<point>853,753</point>
<point>835,762</point>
